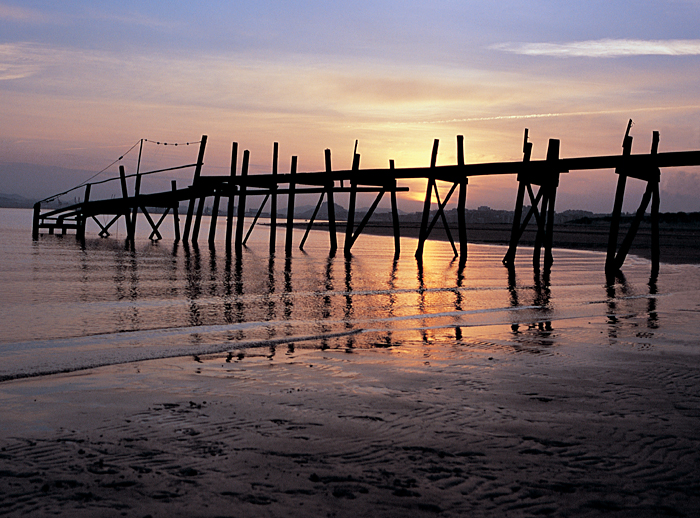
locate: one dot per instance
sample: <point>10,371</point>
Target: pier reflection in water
<point>267,300</point>
<point>155,300</point>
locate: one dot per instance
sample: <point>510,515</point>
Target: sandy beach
<point>473,428</point>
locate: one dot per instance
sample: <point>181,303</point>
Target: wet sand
<point>481,426</point>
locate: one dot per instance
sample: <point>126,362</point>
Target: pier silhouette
<point>540,175</point>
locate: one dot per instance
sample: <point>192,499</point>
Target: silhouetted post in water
<point>516,231</point>
<point>81,217</point>
<point>422,236</point>
<point>655,252</point>
<point>395,215</point>
<point>195,188</point>
<point>255,219</point>
<point>198,219</point>
<point>125,196</point>
<point>290,208</point>
<point>551,193</point>
<point>273,201</point>
<point>231,196</point>
<point>652,175</point>
<point>331,204</point>
<point>462,202</point>
<point>137,190</point>
<point>214,217</point>
<point>176,213</point>
<point>610,268</point>
<point>35,220</point>
<point>350,224</point>
<point>240,220</point>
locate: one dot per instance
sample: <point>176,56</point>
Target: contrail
<point>549,115</point>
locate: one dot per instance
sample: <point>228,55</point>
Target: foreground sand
<point>466,427</point>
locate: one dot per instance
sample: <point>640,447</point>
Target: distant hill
<point>15,202</point>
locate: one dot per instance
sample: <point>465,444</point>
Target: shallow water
<point>67,307</point>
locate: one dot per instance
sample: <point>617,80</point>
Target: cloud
<point>20,14</point>
<point>605,48</point>
<point>21,60</point>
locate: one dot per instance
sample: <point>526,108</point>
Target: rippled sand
<point>497,422</point>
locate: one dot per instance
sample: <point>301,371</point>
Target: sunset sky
<point>82,81</point>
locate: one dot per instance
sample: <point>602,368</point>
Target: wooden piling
<point>330,183</point>
<point>195,188</point>
<point>518,224</point>
<point>231,195</point>
<point>551,193</point>
<point>81,218</point>
<point>214,218</point>
<point>289,231</point>
<point>350,223</point>
<point>125,196</point>
<point>621,172</point>
<point>422,235</point>
<point>198,219</point>
<point>176,215</point>
<point>35,220</point>
<point>395,216</point>
<point>240,220</point>
<point>655,252</point>
<point>462,202</point>
<point>273,199</point>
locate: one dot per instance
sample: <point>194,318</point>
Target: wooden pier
<point>543,175</point>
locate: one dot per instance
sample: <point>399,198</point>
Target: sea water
<point>67,305</point>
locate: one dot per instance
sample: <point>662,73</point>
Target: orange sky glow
<point>82,83</point>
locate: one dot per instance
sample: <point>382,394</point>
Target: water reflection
<point>278,301</point>
<point>539,332</point>
<point>624,305</point>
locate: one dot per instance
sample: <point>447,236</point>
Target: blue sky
<point>82,81</point>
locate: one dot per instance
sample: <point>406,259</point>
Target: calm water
<point>65,307</point>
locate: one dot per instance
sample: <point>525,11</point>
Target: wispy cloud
<point>21,14</point>
<point>605,48</point>
<point>132,18</point>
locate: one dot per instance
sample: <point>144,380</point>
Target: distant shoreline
<point>680,244</point>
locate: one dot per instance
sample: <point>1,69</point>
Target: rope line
<point>85,182</point>
<point>171,143</point>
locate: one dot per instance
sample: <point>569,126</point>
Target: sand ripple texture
<point>471,430</point>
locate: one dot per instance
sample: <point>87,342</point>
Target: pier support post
<point>198,219</point>
<point>195,188</point>
<point>462,202</point>
<point>240,220</point>
<point>610,268</point>
<point>517,230</point>
<point>231,196</point>
<point>422,235</point>
<point>127,211</point>
<point>395,215</point>
<point>615,259</point>
<point>330,183</point>
<point>35,220</point>
<point>214,217</point>
<point>81,218</point>
<point>273,200</point>
<point>551,194</point>
<point>350,224</point>
<point>655,252</point>
<point>289,231</point>
<point>176,212</point>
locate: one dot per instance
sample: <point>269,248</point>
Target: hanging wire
<point>171,143</point>
<point>57,196</point>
